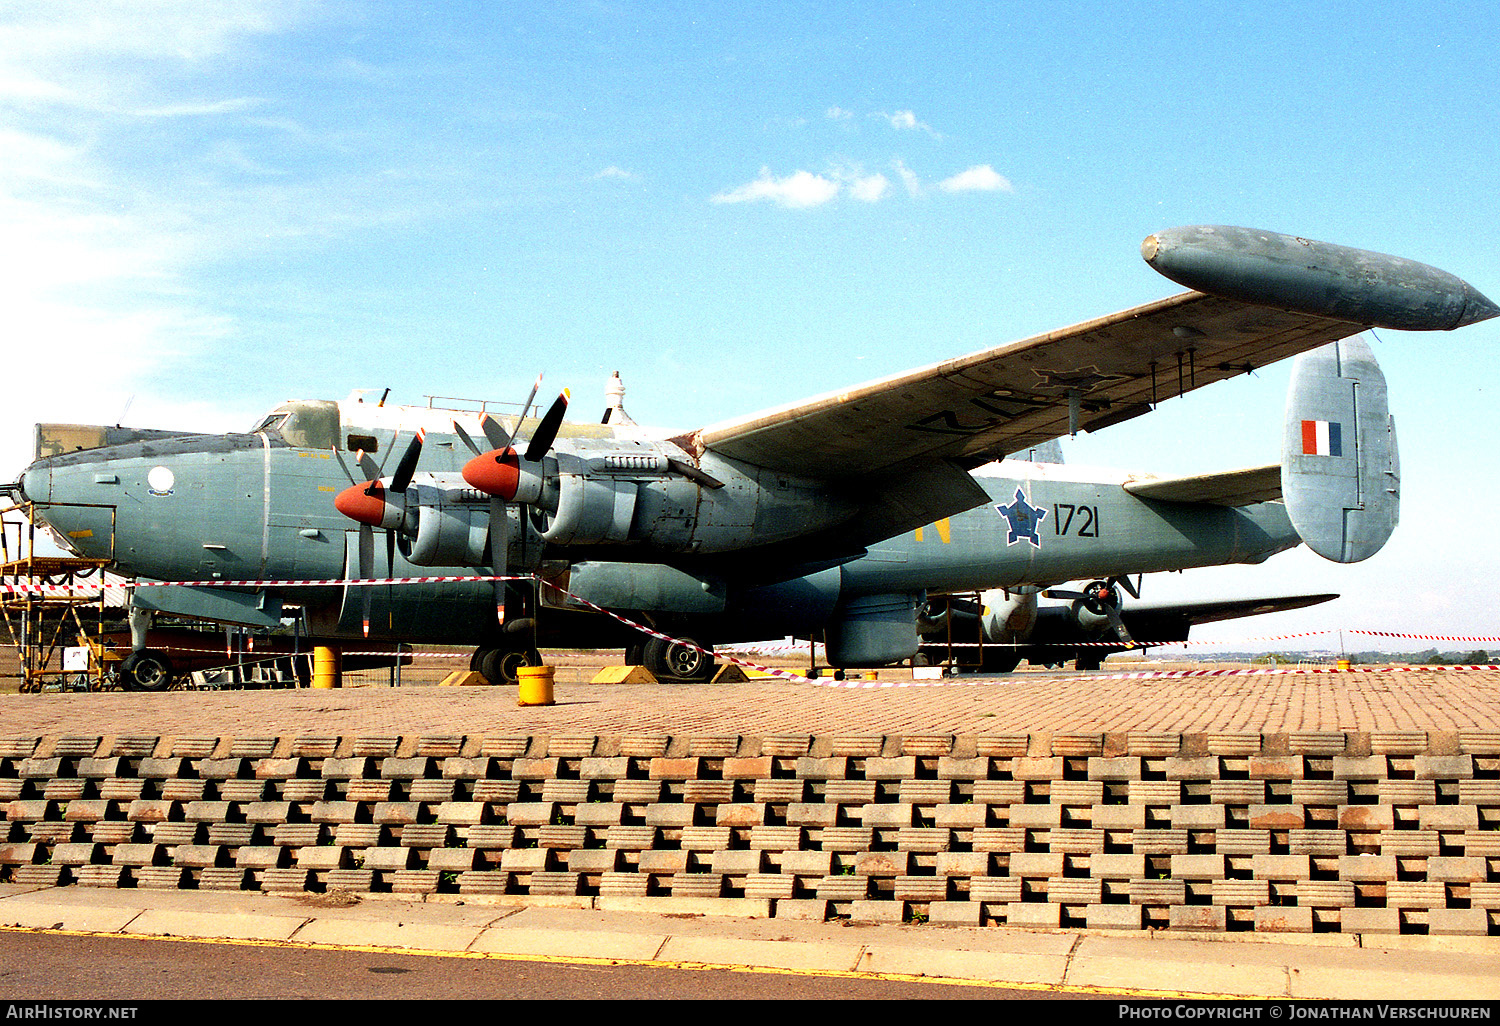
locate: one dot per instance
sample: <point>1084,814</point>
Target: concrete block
<point>1002,890</point>
<point>1198,817</point>
<point>740,814</point>
<point>396,813</point>
<point>198,856</point>
<point>1457,869</point>
<point>1367,817</point>
<point>812,814</point>
<point>666,814</point>
<point>1441,767</point>
<point>388,859</point>
<point>1281,867</point>
<point>1276,817</point>
<point>1118,817</point>
<point>1191,768</point>
<point>737,862</point>
<point>1117,865</point>
<point>1127,767</point>
<point>321,858</point>
<point>882,863</point>
<point>1323,843</point>
<point>1037,864</point>
<point>960,817</point>
<point>512,860</point>
<point>920,888</point>
<point>1415,894</point>
<point>1360,767</point>
<point>674,769</point>
<point>1325,893</point>
<point>1429,817</point>
<point>1367,868</point>
<point>334,812</point>
<point>1241,892</point>
<point>777,838</point>
<point>842,888</point>
<point>1283,919</point>
<point>955,913</point>
<point>926,839</point>
<point>1034,817</point>
<point>1034,768</point>
<point>1073,890</point>
<point>1409,843</point>
<point>579,860</point>
<point>1277,767</point>
<point>769,886</point>
<point>665,862</point>
<point>861,911</point>
<point>1035,915</point>
<point>1370,920</point>
<point>952,767</point>
<point>1458,922</point>
<point>1198,867</point>
<point>1157,892</point>
<point>706,838</point>
<point>1114,917</point>
<point>812,910</point>
<point>1196,918</point>
<point>139,855</point>
<point>1076,841</point>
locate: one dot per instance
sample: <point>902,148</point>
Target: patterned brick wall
<point>1395,832</point>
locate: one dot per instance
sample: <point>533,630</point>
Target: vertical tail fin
<point>1340,475</point>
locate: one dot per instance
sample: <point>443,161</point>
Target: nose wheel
<point>146,671</point>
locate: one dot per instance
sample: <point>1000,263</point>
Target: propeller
<point>507,476</point>
<point>371,504</point>
<point>504,473</point>
<point>1103,600</point>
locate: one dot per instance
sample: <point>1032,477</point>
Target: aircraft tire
<point>499,665</point>
<point>1088,661</point>
<point>678,662</point>
<point>146,671</point>
<point>1002,662</point>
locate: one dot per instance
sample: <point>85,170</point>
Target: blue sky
<point>209,207</point>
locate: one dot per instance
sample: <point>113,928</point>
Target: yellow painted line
<point>943,530</point>
<point>832,974</point>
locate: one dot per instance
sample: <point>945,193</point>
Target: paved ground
<point>1103,702</point>
<point>1310,966</point>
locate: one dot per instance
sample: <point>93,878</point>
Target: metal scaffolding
<point>50,607</point>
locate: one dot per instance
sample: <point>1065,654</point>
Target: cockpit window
<point>271,425</point>
<point>304,424</point>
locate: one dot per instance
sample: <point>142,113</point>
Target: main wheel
<point>678,661</point>
<point>500,665</point>
<point>146,671</point>
<point>1002,661</point>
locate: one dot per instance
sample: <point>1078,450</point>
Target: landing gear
<point>678,661</point>
<point>500,665</point>
<point>1088,660</point>
<point>146,671</point>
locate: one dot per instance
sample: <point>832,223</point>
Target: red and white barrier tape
<point>53,589</point>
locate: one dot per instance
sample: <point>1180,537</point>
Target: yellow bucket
<point>1343,664</point>
<point>534,685</point>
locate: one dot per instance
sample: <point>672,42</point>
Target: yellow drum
<point>534,685</point>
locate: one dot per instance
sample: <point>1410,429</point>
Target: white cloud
<point>614,172</point>
<point>839,114</point>
<point>906,121</point>
<point>908,178</point>
<point>870,188</point>
<point>979,178</point>
<point>799,190</point>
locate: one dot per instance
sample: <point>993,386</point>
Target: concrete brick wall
<point>1395,832</point>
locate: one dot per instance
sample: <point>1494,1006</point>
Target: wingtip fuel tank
<point>1317,278</point>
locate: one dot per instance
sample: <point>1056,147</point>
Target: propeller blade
<point>466,439</point>
<point>546,432</point>
<point>527,404</point>
<point>366,572</point>
<point>408,465</point>
<point>494,431</point>
<point>367,465</point>
<point>499,538</point>
<point>343,466</point>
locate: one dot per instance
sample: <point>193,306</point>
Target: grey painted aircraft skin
<point>807,512</point>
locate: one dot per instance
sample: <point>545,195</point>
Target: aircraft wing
<point>1259,298</point>
<point>1194,613</point>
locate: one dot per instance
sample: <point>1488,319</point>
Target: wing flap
<point>1229,488</point>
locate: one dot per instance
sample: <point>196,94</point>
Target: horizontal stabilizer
<point>1230,488</point>
<point>1340,476</point>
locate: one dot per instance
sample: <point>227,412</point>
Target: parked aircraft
<point>841,511</point>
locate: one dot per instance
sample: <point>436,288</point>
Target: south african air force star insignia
<point>1023,519</point>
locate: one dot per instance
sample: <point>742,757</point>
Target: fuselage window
<point>362,443</point>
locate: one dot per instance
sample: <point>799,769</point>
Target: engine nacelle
<point>590,509</point>
<point>1009,616</point>
<point>873,630</point>
<point>440,531</point>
